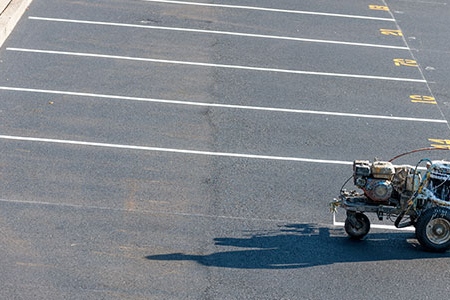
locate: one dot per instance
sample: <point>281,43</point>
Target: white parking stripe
<point>376,226</point>
<point>219,105</point>
<point>239,34</point>
<point>171,150</point>
<point>198,64</point>
<point>272,10</point>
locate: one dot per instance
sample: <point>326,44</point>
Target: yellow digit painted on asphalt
<point>393,32</point>
<point>440,144</point>
<point>405,62</point>
<point>378,7</point>
<point>422,99</point>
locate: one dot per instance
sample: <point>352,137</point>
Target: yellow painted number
<point>440,144</point>
<point>393,32</point>
<point>378,7</point>
<point>405,62</point>
<point>422,99</point>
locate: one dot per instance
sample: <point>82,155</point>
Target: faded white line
<point>239,34</point>
<point>198,64</point>
<point>150,212</point>
<point>271,10</point>
<point>218,105</point>
<point>172,150</point>
<point>181,214</point>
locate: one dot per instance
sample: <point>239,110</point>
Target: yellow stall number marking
<point>393,32</point>
<point>440,144</point>
<point>405,62</point>
<point>422,99</point>
<point>378,7</point>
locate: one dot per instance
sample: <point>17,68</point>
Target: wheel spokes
<point>438,230</point>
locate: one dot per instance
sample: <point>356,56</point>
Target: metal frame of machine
<point>403,194</point>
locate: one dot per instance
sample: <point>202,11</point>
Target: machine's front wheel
<point>357,225</point>
<point>433,229</point>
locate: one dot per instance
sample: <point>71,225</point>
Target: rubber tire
<point>362,231</point>
<point>433,229</point>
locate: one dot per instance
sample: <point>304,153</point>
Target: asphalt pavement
<point>189,149</point>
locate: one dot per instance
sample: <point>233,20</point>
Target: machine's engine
<point>375,179</point>
<point>383,182</point>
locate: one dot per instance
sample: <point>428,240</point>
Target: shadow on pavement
<point>306,245</point>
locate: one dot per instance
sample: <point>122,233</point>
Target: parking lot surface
<point>189,149</point>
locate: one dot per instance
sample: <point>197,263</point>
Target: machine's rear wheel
<point>357,225</point>
<point>433,229</point>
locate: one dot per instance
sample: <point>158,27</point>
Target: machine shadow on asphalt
<point>307,245</point>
